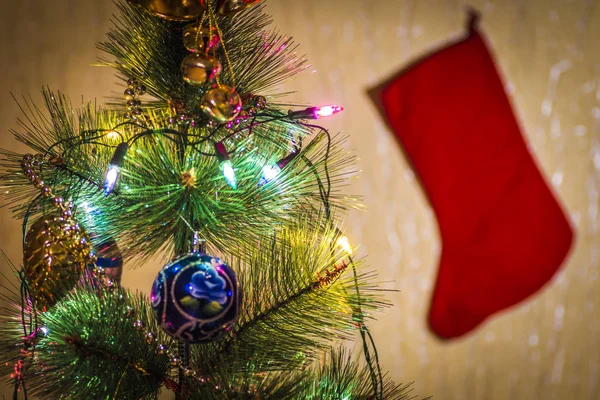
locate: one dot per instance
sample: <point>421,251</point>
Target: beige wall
<point>546,348</point>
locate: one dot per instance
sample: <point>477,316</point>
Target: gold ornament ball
<point>173,10</point>
<point>221,103</point>
<point>197,38</point>
<point>55,255</point>
<point>199,69</point>
<point>231,7</point>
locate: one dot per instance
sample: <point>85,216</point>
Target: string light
<point>225,164</point>
<point>114,168</point>
<point>87,207</point>
<point>315,112</point>
<point>271,172</point>
<point>326,111</point>
<point>112,135</point>
<point>344,244</point>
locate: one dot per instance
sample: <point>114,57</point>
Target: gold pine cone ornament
<point>56,252</point>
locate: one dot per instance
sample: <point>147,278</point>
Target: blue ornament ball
<point>196,298</point>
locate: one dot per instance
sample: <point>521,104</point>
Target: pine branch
<point>296,299</point>
<point>340,378</point>
<point>245,385</point>
<point>290,301</point>
<point>93,350</point>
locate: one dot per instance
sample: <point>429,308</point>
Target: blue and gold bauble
<point>196,298</point>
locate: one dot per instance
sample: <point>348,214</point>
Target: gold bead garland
<point>57,249</point>
<point>134,89</point>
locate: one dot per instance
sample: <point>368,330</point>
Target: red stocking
<point>503,233</point>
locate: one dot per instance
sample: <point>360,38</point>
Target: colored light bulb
<point>112,135</point>
<point>315,112</point>
<point>269,173</point>
<point>225,164</point>
<point>114,168</point>
<point>111,178</point>
<point>229,173</point>
<point>344,244</point>
<point>326,111</point>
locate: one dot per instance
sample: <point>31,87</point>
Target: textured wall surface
<point>547,50</point>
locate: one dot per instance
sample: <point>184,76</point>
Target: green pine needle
<point>88,347</point>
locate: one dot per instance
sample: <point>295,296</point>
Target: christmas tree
<point>204,161</point>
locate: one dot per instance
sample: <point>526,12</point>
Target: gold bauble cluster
<point>221,102</point>
<point>173,10</point>
<point>201,67</point>
<point>189,10</point>
<point>198,38</point>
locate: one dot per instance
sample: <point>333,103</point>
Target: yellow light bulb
<point>344,244</point>
<point>112,135</point>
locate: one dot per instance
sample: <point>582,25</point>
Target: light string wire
<point>169,134</point>
<point>376,375</point>
<point>26,303</point>
<point>162,131</point>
